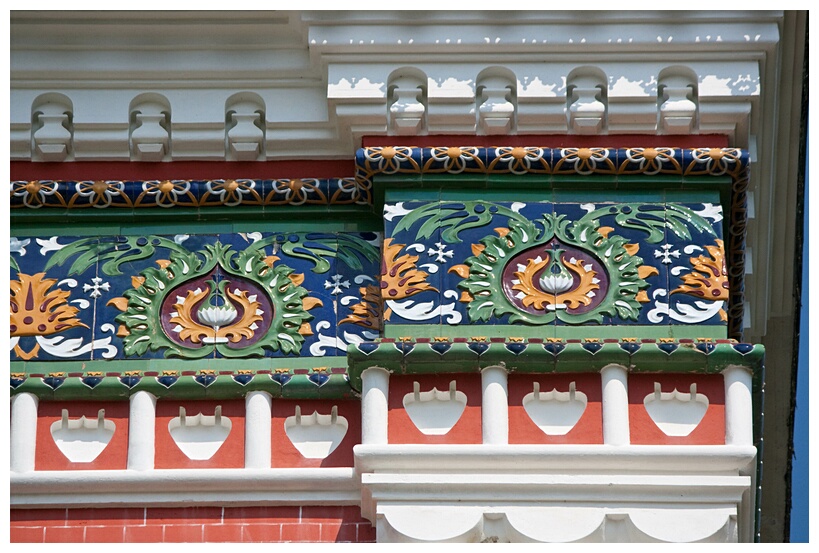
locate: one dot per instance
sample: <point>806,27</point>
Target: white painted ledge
<point>177,487</point>
<point>644,459</point>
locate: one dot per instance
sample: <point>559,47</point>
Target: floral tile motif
<point>518,160</point>
<point>39,193</point>
<point>584,161</point>
<point>698,283</point>
<point>355,291</point>
<point>411,273</point>
<point>53,301</point>
<point>545,263</point>
<point>166,193</point>
<point>649,161</point>
<point>98,194</point>
<point>455,160</point>
<point>230,193</point>
<point>188,296</point>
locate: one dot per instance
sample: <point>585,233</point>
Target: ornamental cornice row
<point>401,356</point>
<point>376,161</point>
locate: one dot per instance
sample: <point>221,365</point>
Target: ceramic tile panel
<point>412,259</point>
<point>698,283</point>
<point>355,289</point>
<point>187,296</point>
<point>53,298</point>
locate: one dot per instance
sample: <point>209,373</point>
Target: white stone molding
<point>739,428</point>
<point>497,100</point>
<point>258,426</point>
<point>245,127</point>
<point>184,488</point>
<point>434,412</point>
<point>614,383</point>
<point>323,78</point>
<point>375,386</point>
<point>407,99</point>
<point>677,98</point>
<point>141,431</point>
<point>200,436</point>
<point>495,405</point>
<point>52,128</point>
<point>149,132</point>
<point>82,440</point>
<point>556,524</point>
<point>587,100</point>
<point>557,493</point>
<point>23,432</point>
<point>317,435</point>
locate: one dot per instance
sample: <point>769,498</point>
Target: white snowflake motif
<point>336,284</point>
<point>18,246</point>
<point>95,288</point>
<point>440,253</point>
<point>667,253</point>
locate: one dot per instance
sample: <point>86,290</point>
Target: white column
<point>614,382</point>
<point>375,386</point>
<point>141,431</point>
<point>495,405</point>
<point>739,413</point>
<point>23,432</point>
<point>258,420</point>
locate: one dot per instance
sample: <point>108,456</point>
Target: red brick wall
<point>191,524</point>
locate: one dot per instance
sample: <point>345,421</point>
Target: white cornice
<point>468,493</point>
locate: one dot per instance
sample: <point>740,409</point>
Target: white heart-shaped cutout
<point>676,413</point>
<point>435,413</point>
<point>316,436</point>
<point>555,413</point>
<point>201,436</point>
<point>82,440</point>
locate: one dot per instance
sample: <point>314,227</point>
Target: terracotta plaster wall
<point>327,524</point>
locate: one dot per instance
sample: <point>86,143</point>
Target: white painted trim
<point>23,432</point>
<point>258,426</point>
<point>494,405</point>
<point>614,383</point>
<point>141,431</point>
<point>655,459</point>
<point>104,488</point>
<point>375,389</point>
<point>739,419</point>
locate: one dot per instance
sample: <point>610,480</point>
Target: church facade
<point>402,277</point>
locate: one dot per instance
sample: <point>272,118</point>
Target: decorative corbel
<point>245,127</point>
<point>586,96</point>
<point>677,100</point>
<point>496,110</point>
<point>150,128</point>
<point>52,134</point>
<point>407,101</point>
